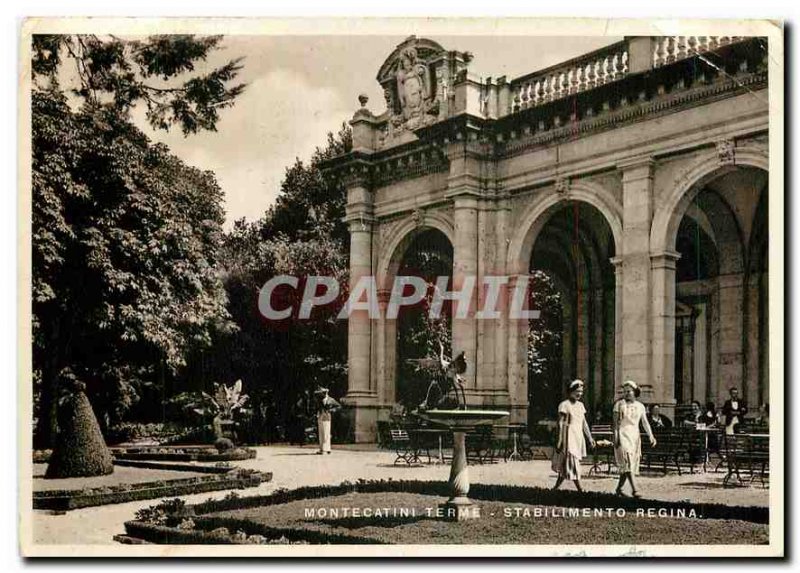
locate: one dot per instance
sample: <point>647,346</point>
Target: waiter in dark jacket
<point>733,411</point>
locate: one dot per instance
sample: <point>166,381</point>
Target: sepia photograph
<point>401,287</point>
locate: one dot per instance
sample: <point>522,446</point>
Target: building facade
<point>634,176</point>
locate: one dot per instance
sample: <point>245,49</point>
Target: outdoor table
<point>514,455</point>
<point>706,430</point>
<point>431,431</point>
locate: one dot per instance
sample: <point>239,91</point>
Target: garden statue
<point>446,389</point>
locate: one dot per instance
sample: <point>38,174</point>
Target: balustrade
<point>669,49</point>
<point>577,75</point>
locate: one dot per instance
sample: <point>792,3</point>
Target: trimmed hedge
<point>498,493</point>
<point>204,454</point>
<point>80,450</point>
<point>63,500</point>
<point>210,534</point>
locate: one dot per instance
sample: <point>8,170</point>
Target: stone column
<point>731,312</point>
<point>361,399</point>
<point>637,183</point>
<point>465,264</point>
<point>617,262</point>
<point>663,332</point>
<point>463,188</point>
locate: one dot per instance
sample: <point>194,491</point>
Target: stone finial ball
<point>363,99</point>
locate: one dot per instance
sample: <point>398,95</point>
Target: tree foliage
<point>301,235</point>
<point>156,71</point>
<point>545,346</point>
<point>125,237</point>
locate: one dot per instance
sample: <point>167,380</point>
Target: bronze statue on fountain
<point>446,390</point>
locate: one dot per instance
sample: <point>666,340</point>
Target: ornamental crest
<point>410,85</point>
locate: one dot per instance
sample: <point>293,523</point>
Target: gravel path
<point>294,467</point>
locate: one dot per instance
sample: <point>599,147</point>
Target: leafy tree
<point>156,71</point>
<point>125,237</point>
<point>545,346</point>
<point>280,363</point>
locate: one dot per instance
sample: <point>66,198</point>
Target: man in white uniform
<point>325,408</point>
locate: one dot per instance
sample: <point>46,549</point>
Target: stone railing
<point>668,49</point>
<point>579,74</point>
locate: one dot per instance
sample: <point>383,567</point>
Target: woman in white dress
<point>571,445</point>
<point>628,414</point>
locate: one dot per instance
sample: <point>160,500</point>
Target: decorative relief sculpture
<point>726,150</point>
<point>417,82</point>
<point>418,216</point>
<point>414,91</point>
<point>562,185</point>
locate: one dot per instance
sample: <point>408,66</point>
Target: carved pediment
<point>410,83</point>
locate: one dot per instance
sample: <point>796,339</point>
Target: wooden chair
<point>404,447</point>
<point>668,450</point>
<point>384,434</point>
<point>749,455</point>
<point>692,449</point>
<point>480,445</point>
<point>602,455</point>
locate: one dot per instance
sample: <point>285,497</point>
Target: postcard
<point>401,287</point>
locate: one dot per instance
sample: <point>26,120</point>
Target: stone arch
<point>537,215</point>
<point>392,252</point>
<point>722,307</point>
<point>401,236</point>
<point>521,249</point>
<point>668,216</point>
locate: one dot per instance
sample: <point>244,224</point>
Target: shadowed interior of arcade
<point>427,254</point>
<point>721,290</point>
<point>572,286</point>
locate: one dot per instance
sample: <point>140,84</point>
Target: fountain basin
<point>459,507</point>
<point>463,420</point>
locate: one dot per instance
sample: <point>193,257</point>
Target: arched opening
<point>429,255</point>
<point>719,289</point>
<point>573,288</point>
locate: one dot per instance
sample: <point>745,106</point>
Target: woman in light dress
<point>628,414</point>
<point>571,445</point>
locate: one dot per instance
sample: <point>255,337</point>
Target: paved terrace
<point>295,467</point>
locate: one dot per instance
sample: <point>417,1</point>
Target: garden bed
<point>408,516</point>
<point>176,466</point>
<point>62,500</point>
<point>184,454</point>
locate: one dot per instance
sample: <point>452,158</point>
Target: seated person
<point>658,421</point>
<point>762,419</point>
<point>695,416</point>
<point>710,420</point>
<point>398,412</point>
<point>710,414</point>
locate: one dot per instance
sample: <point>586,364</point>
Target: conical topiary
<point>80,450</point>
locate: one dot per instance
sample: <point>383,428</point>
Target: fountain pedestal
<point>459,507</point>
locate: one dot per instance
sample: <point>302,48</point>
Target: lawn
<point>121,475</point>
<point>500,523</point>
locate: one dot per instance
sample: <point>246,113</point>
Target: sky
<point>302,87</point>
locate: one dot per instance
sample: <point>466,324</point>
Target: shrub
<point>63,500</point>
<point>80,450</point>
<point>223,445</point>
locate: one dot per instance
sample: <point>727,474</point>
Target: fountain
<point>459,420</point>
